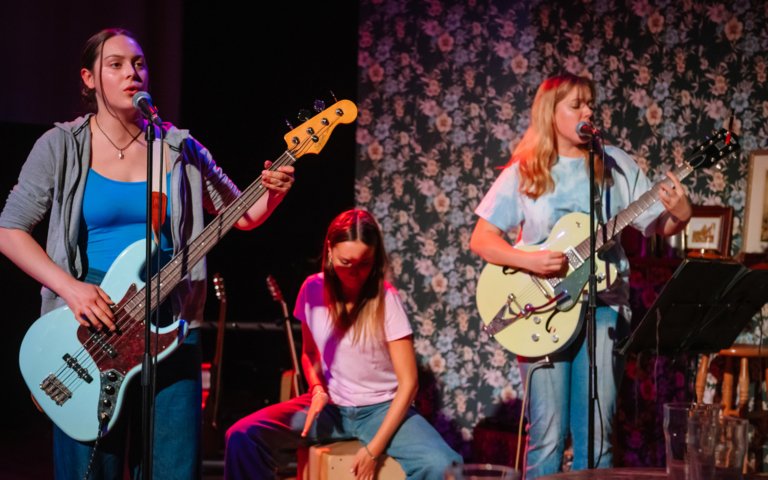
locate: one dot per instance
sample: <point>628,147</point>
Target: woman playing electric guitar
<point>546,178</point>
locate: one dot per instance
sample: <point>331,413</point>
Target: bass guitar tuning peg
<point>288,123</point>
<point>720,166</point>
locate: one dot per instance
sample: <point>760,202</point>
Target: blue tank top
<point>114,216</point>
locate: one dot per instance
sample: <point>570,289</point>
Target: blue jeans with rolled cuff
<point>259,443</point>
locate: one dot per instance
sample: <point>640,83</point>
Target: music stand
<point>702,309</point>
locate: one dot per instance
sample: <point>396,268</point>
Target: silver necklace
<point>120,151</point>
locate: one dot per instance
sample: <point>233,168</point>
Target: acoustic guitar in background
<point>291,384</point>
<point>213,437</point>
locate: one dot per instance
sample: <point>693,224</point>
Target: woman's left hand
<point>278,181</point>
<point>364,466</point>
<point>674,199</point>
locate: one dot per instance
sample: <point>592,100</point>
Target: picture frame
<point>755,230</point>
<point>709,231</point>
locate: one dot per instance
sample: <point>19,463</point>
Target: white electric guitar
<point>534,316</point>
<point>77,375</point>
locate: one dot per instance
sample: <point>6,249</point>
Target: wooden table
<point>611,474</point>
<point>626,473</point>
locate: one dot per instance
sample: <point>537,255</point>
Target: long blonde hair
<point>537,151</point>
<point>366,318</point>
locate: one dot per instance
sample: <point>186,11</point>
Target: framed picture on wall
<point>756,210</point>
<point>709,231</point>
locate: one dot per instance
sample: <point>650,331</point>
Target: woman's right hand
<point>89,304</point>
<point>319,401</point>
<point>546,263</point>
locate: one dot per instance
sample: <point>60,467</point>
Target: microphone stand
<point>592,309</point>
<point>148,364</point>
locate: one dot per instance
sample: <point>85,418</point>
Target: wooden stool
<point>333,461</point>
<point>743,353</point>
<point>753,460</point>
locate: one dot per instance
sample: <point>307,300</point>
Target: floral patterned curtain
<point>445,89</point>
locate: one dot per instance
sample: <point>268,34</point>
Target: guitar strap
<point>609,166</point>
<point>160,155</point>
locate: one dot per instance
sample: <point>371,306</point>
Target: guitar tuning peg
<point>304,115</point>
<point>720,166</point>
<point>335,100</point>
<point>290,127</point>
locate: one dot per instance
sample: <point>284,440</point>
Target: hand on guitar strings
<point>674,199</point>
<point>546,263</point>
<point>277,181</point>
<point>90,305</point>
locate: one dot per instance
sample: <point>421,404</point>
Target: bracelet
<point>369,452</point>
<point>312,390</point>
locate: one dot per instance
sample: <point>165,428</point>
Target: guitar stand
<point>702,309</point>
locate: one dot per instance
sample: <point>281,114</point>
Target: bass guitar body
<point>77,374</point>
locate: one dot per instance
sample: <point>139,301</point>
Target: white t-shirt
<point>358,374</point>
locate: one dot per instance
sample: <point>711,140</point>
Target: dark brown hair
<point>367,314</point>
<point>92,52</point>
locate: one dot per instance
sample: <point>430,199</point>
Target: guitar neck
<point>221,325</point>
<point>615,225</point>
<point>198,248</point>
<point>292,347</point>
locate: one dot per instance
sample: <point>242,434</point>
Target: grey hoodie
<point>53,179</point>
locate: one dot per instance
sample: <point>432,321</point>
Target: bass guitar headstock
<point>311,136</point>
<point>218,286</point>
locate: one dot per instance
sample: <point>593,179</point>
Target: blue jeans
<point>176,429</point>
<point>260,442</point>
<point>558,401</point>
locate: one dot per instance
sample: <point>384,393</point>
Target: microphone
<point>585,130</point>
<point>143,102</point>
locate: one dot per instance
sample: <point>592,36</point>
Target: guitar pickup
<point>79,370</point>
<point>574,259</point>
<point>104,345</point>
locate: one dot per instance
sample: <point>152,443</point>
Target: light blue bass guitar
<point>77,375</point>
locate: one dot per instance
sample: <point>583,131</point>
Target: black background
<point>243,74</point>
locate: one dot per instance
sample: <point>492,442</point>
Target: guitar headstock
<point>310,136</point>
<point>274,289</point>
<point>218,286</point>
<point>717,147</point>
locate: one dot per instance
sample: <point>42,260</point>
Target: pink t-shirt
<point>360,374</point>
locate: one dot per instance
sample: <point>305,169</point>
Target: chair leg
<point>743,386</point>
<point>701,377</point>
<point>727,389</point>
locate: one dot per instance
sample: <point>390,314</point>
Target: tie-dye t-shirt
<point>506,208</point>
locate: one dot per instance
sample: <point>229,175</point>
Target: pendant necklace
<point>120,151</point>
